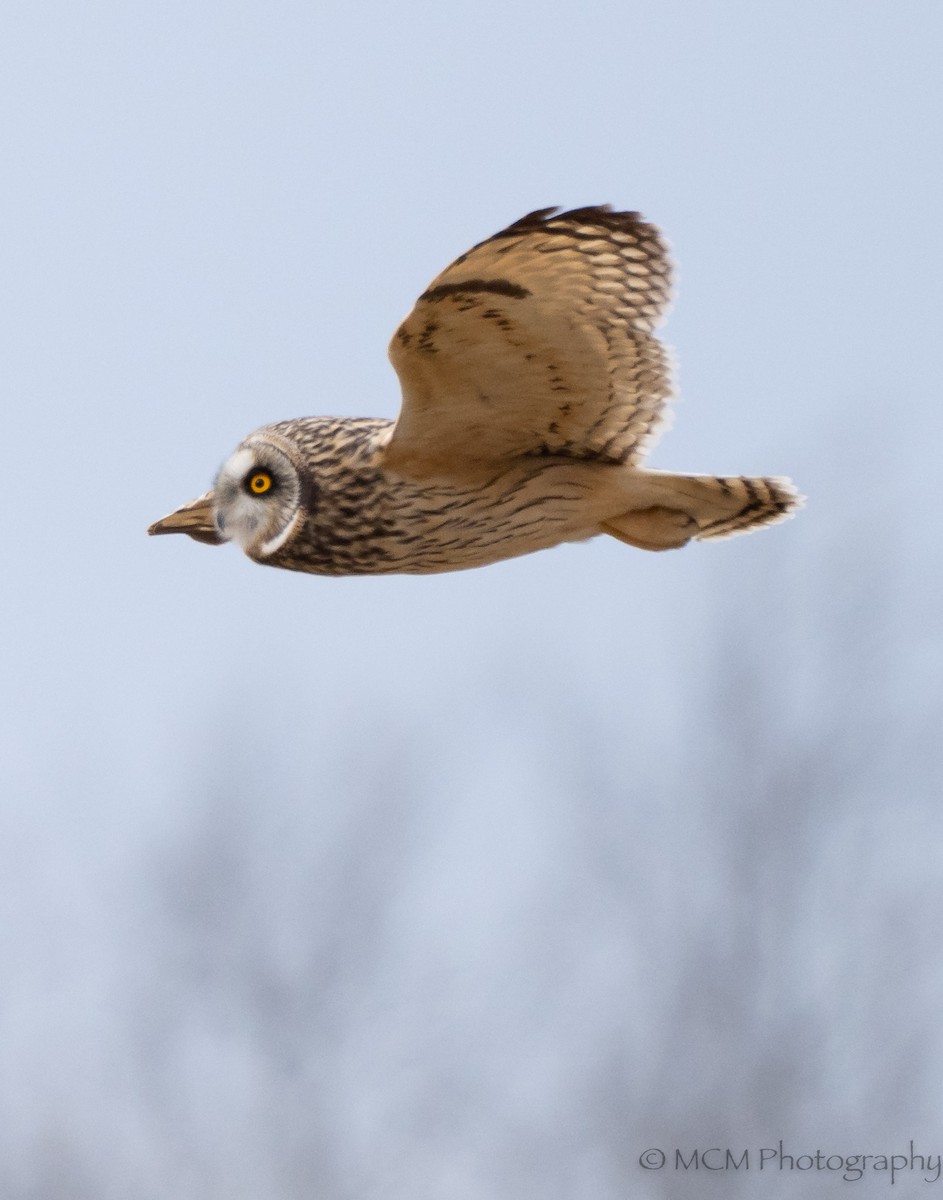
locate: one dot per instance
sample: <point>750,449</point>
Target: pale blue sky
<point>214,217</point>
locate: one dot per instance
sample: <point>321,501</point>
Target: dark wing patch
<point>500,287</point>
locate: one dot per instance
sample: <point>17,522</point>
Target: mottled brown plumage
<point>533,388</point>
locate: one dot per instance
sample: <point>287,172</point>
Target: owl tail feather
<point>679,508</point>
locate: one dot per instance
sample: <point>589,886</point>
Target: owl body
<point>533,389</point>
<point>361,518</point>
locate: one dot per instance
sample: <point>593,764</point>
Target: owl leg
<point>653,528</point>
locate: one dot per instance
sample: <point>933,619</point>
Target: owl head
<point>257,500</point>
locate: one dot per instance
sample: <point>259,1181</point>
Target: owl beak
<point>196,519</point>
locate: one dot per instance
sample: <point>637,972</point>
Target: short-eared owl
<point>533,388</point>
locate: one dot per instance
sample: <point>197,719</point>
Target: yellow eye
<point>260,483</point>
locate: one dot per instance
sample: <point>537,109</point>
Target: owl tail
<point>675,509</point>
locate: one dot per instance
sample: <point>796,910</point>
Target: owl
<point>533,388</point>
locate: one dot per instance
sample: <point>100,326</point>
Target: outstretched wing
<point>537,341</point>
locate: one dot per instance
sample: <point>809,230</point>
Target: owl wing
<point>537,341</point>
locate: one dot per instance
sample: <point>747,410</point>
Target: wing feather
<point>537,341</point>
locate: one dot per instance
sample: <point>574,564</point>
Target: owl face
<point>255,501</point>
<point>256,498</point>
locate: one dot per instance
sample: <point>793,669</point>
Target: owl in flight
<point>533,389</point>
